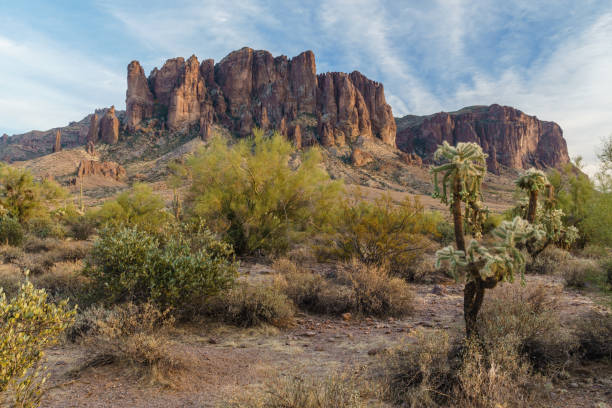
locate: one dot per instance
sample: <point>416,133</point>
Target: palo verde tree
<point>483,267</point>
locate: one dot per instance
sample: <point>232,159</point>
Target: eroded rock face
<point>104,169</point>
<point>139,99</point>
<point>510,137</point>
<point>109,127</point>
<point>251,88</point>
<point>57,146</point>
<point>93,134</point>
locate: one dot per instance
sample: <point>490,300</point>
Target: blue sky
<point>61,59</point>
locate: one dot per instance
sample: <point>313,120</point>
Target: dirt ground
<point>227,362</point>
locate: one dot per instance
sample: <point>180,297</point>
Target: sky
<point>61,59</point>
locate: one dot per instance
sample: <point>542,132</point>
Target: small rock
<point>309,334</point>
<point>438,290</point>
<point>574,385</point>
<point>212,341</point>
<point>346,316</point>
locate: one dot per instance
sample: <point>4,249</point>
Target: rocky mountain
<point>248,88</point>
<point>251,88</point>
<point>510,137</point>
<point>38,143</point>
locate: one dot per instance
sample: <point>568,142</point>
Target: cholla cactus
<point>463,176</point>
<point>533,181</point>
<point>485,267</point>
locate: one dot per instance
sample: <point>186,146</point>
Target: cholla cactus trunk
<point>457,214</point>
<point>533,206</point>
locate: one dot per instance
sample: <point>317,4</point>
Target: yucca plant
<point>463,175</point>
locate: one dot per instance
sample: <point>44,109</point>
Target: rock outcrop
<point>104,169</point>
<point>109,127</point>
<point>57,146</point>
<point>93,134</point>
<point>251,88</point>
<point>139,99</point>
<point>510,137</point>
<point>360,158</point>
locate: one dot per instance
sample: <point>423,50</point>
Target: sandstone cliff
<point>251,88</point>
<point>510,137</point>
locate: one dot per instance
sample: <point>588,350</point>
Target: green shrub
<point>11,231</point>
<point>28,325</point>
<point>24,198</point>
<point>128,264</point>
<point>260,194</point>
<point>551,261</point>
<point>493,221</point>
<point>138,207</point>
<point>249,305</point>
<point>379,233</point>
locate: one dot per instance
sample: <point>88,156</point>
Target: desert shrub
<point>55,251</point>
<point>46,227</point>
<point>11,231</point>
<point>594,333</point>
<point>440,371</point>
<point>82,227</point>
<point>525,319</point>
<point>578,271</point>
<point>379,233</point>
<point>358,288</point>
<point>28,325</point>
<point>298,392</point>
<point>260,194</point>
<point>132,335</point>
<point>445,232</point>
<point>11,280</point>
<point>24,198</point>
<point>139,207</point>
<point>250,305</point>
<point>128,264</point>
<point>606,266</point>
<point>10,254</point>
<point>493,221</point>
<point>65,281</point>
<point>551,261</point>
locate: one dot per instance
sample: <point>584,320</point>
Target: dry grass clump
<point>133,335</point>
<point>65,280</point>
<point>298,392</point>
<point>39,255</point>
<point>577,271</point>
<point>358,288</point>
<point>249,305</point>
<point>550,262</point>
<point>443,372</point>
<point>525,318</point>
<point>521,342</point>
<point>594,333</point>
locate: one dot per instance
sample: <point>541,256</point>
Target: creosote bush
<point>128,264</point>
<point>28,325</point>
<point>358,288</point>
<point>139,207</point>
<point>380,233</point>
<point>11,231</point>
<point>259,194</point>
